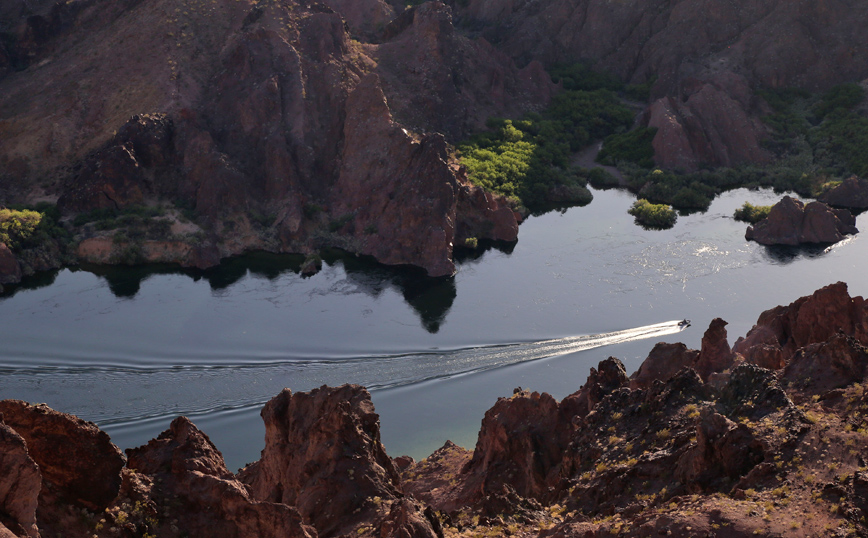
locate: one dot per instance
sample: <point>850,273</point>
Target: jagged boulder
<point>825,366</point>
<point>852,193</point>
<point>664,361</point>
<point>323,455</point>
<point>724,451</point>
<point>86,473</point>
<point>790,222</point>
<point>194,488</point>
<point>124,171</point>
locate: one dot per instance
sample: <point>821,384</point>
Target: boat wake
<point>103,394</point>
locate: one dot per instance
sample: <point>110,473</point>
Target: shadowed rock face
<point>192,485</point>
<point>775,43</point>
<point>790,222</point>
<point>20,483</point>
<point>94,478</point>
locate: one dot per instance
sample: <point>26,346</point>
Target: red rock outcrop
<point>821,367</point>
<point>609,375</point>
<point>383,172</point>
<point>714,354</point>
<point>323,455</point>
<point>20,484</point>
<point>515,447</point>
<point>437,80</point>
<point>194,488</point>
<point>664,361</point>
<point>724,450</point>
<point>790,222</point>
<point>809,320</point>
<point>94,478</point>
<point>852,193</point>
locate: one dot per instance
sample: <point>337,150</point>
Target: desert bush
<point>655,216</point>
<point>17,226</point>
<point>752,213</point>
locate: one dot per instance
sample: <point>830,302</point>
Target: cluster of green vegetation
<point>752,213</point>
<point>24,227</point>
<point>17,226</point>
<point>528,160</point>
<point>111,218</point>
<point>655,216</point>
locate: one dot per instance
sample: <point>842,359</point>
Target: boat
<point>684,323</point>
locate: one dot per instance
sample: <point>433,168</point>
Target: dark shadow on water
<point>41,279</point>
<point>785,254</point>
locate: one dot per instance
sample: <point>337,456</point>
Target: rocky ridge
<point>712,444</point>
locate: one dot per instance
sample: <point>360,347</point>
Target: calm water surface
<point>131,349</point>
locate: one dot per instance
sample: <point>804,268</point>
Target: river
<point>131,348</point>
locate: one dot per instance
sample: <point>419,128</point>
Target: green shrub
<point>655,216</point>
<point>17,226</point>
<point>752,213</point>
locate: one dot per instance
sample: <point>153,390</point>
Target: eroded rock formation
<point>791,222</point>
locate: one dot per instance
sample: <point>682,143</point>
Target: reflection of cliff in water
<point>430,298</point>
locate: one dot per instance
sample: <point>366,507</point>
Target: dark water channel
<point>131,348</point>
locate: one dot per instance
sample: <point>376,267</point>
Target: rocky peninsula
<point>765,437</point>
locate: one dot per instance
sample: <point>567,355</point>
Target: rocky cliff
<point>695,443</point>
<point>291,126</point>
<point>273,123</point>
